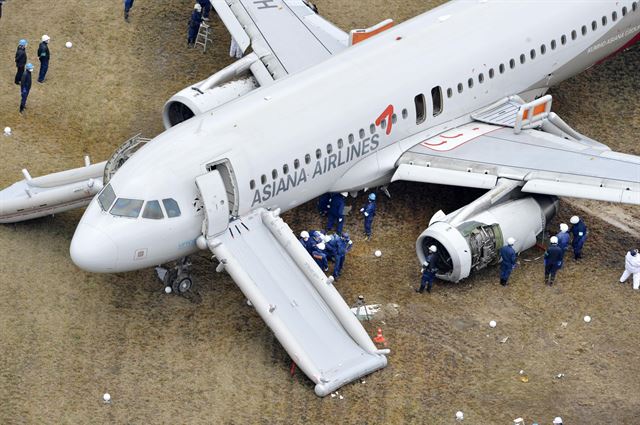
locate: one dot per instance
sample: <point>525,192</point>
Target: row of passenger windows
<point>123,207</point>
<point>362,133</point>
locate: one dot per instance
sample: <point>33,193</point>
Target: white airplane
<point>455,96</point>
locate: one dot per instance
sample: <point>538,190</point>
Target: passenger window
<point>553,45</point>
<point>470,82</point>
<point>361,133</point>
<point>460,87</point>
<point>171,207</point>
<point>285,169</point>
<point>512,63</point>
<point>584,30</point>
<point>449,95</point>
<point>263,179</point>
<point>152,210</point>
<point>522,58</point>
<point>274,174</point>
<point>318,154</point>
<point>252,184</point>
<point>329,148</point>
<point>574,35</point>
<point>106,198</point>
<point>543,49</point>
<point>624,11</point>
<point>604,21</point>
<point>563,39</point>
<point>491,73</point>
<point>394,118</point>
<point>372,128</point>
<point>127,207</point>
<point>405,113</point>
<point>634,6</point>
<point>614,16</point>
<point>296,163</point>
<point>436,98</point>
<point>307,159</point>
<point>532,54</point>
<point>351,138</point>
<point>594,25</point>
<point>383,123</point>
<point>340,143</point>
<point>501,68</point>
<point>421,109</point>
<point>481,78</point>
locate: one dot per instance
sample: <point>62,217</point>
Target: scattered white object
<point>340,397</point>
<point>521,372</point>
<point>459,415</point>
<point>564,324</point>
<point>378,253</point>
<point>7,131</point>
<point>518,421</point>
<point>363,381</point>
<point>249,303</point>
<point>587,319</point>
<point>333,395</point>
<point>106,397</point>
<point>492,323</point>
<point>167,289</point>
<point>560,376</point>
<point>557,420</point>
<point>505,339</point>
<point>68,44</point>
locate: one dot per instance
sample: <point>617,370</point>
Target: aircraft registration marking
<point>458,137</point>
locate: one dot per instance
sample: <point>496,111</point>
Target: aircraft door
<point>214,197</point>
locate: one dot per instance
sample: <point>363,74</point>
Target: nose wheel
<point>176,279</point>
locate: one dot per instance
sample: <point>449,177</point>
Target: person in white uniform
<point>632,267</point>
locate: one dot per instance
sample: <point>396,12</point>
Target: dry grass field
<point>67,336</point>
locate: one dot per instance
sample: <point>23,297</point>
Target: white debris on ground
<point>378,253</point>
<point>492,323</point>
<point>587,319</point>
<point>459,415</point>
<point>68,44</point>
<point>106,398</point>
<point>363,312</point>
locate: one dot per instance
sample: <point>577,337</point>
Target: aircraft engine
<point>224,86</point>
<point>475,243</point>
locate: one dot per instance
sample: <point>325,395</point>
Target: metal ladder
<point>204,36</point>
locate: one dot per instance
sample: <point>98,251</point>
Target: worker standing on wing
<point>25,86</point>
<point>632,268</point>
<point>429,270</point>
<point>335,216</point>
<point>194,25</point>
<point>369,212</point>
<point>563,238</point>
<point>579,232</point>
<point>43,55</point>
<point>552,261</point>
<point>21,60</point>
<point>508,256</point>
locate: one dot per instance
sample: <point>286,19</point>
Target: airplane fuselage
<point>340,125</point>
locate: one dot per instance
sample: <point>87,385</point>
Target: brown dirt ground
<point>69,336</point>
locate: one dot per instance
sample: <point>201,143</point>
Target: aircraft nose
<point>92,250</point>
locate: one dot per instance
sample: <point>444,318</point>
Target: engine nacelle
<point>475,243</point>
<point>224,86</point>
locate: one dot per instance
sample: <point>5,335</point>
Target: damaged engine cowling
<point>224,86</point>
<point>475,243</point>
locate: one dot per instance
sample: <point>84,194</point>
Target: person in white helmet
<point>563,237</point>
<point>557,420</point>
<point>632,268</point>
<point>306,241</point>
<point>44,56</point>
<point>335,215</point>
<point>579,232</point>
<point>508,257</point>
<point>194,25</point>
<point>552,261</point>
<point>429,270</point>
<point>320,256</point>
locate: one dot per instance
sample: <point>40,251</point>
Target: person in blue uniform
<point>44,56</point>
<point>320,256</point>
<point>508,256</point>
<point>306,241</point>
<point>429,269</point>
<point>552,261</point>
<point>25,86</point>
<point>194,25</point>
<point>206,8</point>
<point>324,201</point>
<point>128,4</point>
<point>335,216</point>
<point>579,233</point>
<point>369,212</point>
<point>21,60</point>
<point>563,238</point>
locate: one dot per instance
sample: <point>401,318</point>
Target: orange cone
<point>379,338</point>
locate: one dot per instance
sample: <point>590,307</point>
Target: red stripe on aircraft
<point>387,113</point>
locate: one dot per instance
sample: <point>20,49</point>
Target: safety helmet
<point>511,241</point>
<point>320,246</point>
<point>22,43</point>
<point>304,234</point>
<point>372,196</point>
<point>29,67</point>
<point>557,420</point>
<point>575,219</point>
<point>345,194</point>
<point>433,248</point>
<point>197,7</point>
<point>564,227</point>
<point>553,240</point>
<point>46,38</point>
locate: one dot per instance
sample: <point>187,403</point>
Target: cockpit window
<point>106,198</point>
<point>171,206</point>
<point>127,207</point>
<point>152,210</point>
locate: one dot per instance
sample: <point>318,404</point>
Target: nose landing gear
<point>176,279</point>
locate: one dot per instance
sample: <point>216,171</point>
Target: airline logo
<point>458,137</point>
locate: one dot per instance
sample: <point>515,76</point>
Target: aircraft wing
<point>287,35</point>
<point>543,153</point>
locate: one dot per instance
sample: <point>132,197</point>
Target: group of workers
<point>325,247</point>
<point>332,206</point>
<point>25,68</point>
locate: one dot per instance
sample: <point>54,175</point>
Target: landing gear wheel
<point>182,285</point>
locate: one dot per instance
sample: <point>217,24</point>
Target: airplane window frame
<point>481,78</point>
<point>437,101</point>
<point>158,209</point>
<point>532,54</point>
<point>252,184</point>
<point>307,159</point>
<point>604,21</point>
<point>543,49</point>
<point>107,188</point>
<point>574,34</point>
<point>449,93</point>
<point>563,39</point>
<point>171,213</point>
<point>361,133</point>
<point>329,148</point>
<point>126,207</point>
<point>318,153</point>
<point>512,63</point>
<point>614,16</point>
<point>523,58</point>
<point>554,44</point>
<point>594,25</point>
<point>420,104</point>
<point>492,73</point>
<point>351,138</point>
<point>340,143</point>
<point>285,169</point>
<point>502,68</point>
<point>624,11</point>
<point>274,174</point>
<point>296,163</point>
<point>584,30</point>
<point>405,113</point>
<point>460,87</point>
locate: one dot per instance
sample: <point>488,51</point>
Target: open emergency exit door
<point>214,196</point>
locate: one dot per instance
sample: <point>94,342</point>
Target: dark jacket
<point>553,256</point>
<point>336,207</point>
<point>25,82</point>
<point>21,56</point>
<point>579,228</point>
<point>432,264</point>
<point>508,255</point>
<point>43,51</point>
<point>196,19</point>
